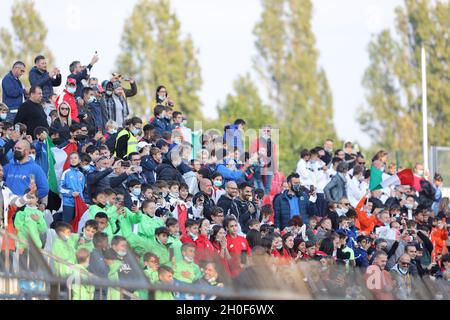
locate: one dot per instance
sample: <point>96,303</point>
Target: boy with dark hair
<point>41,134</point>
<point>135,189</point>
<point>89,230</point>
<point>174,241</point>
<point>64,247</point>
<point>103,224</point>
<point>186,270</point>
<point>30,222</point>
<point>165,275</point>
<point>149,222</point>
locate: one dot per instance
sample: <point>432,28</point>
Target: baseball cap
<point>142,145</point>
<point>71,81</point>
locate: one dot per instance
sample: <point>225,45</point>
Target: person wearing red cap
<point>68,96</point>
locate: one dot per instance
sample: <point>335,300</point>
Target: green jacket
<point>160,250</point>
<point>27,227</point>
<point>164,295</point>
<point>94,209</point>
<point>175,244</point>
<point>181,266</point>
<point>148,225</point>
<point>82,292</point>
<point>153,277</point>
<point>65,250</point>
<point>126,222</point>
<point>113,275</point>
<point>88,244</point>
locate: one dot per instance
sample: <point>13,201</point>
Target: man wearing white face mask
<point>3,111</point>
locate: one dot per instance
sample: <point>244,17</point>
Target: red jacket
<point>439,238</point>
<point>204,249</point>
<point>70,100</point>
<point>363,222</point>
<point>223,260</point>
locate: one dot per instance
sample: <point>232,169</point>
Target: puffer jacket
<point>283,212</point>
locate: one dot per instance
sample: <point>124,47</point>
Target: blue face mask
<point>3,116</point>
<point>71,89</point>
<point>296,187</point>
<point>135,131</point>
<point>86,168</point>
<point>91,99</point>
<point>217,183</point>
<point>137,192</point>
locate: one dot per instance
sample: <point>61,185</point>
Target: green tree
<point>26,41</point>
<point>153,51</point>
<point>246,104</point>
<point>297,86</point>
<point>393,115</point>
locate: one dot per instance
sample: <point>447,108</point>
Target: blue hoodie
<point>72,180</point>
<point>41,155</point>
<point>17,177</point>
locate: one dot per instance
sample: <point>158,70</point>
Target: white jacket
<point>355,191</point>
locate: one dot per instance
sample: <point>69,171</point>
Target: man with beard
<point>243,207</point>
<point>292,202</point>
<point>226,200</point>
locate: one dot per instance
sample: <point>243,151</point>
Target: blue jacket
<point>233,137</point>
<point>41,155</point>
<point>72,180</point>
<point>43,80</point>
<point>17,177</point>
<point>13,92</point>
<point>351,234</point>
<point>361,258</point>
<point>98,113</point>
<point>149,165</point>
<point>161,126</point>
<point>283,211</point>
<point>230,175</point>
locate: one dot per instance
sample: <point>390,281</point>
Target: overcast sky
<point>222,30</point>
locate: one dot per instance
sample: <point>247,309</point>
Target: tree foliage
<point>153,51</point>
<point>27,39</point>
<point>393,115</point>
<point>297,86</point>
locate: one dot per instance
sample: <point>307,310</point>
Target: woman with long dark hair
<point>218,240</point>
<point>162,97</point>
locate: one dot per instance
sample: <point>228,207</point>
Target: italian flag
<point>54,200</point>
<point>375,177</point>
<point>58,162</point>
<point>404,177</point>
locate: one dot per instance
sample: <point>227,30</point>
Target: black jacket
<point>32,115</point>
<point>64,130</point>
<point>43,80</point>
<point>225,203</point>
<point>240,209</point>
<point>168,172</point>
